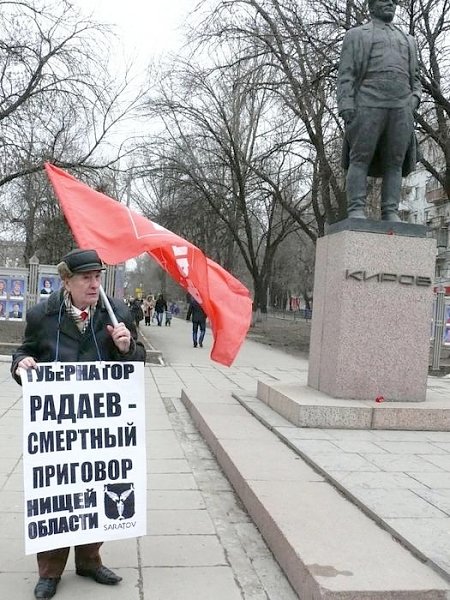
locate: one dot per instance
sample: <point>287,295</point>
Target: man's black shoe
<point>201,345</point>
<point>46,587</point>
<point>100,575</point>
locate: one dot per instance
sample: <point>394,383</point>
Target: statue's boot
<point>390,195</point>
<point>356,190</point>
<point>355,210</point>
<point>391,216</point>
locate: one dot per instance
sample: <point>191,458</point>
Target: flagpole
<point>108,307</point>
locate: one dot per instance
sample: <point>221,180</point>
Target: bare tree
<point>293,271</point>
<point>429,22</point>
<point>54,88</point>
<point>164,195</point>
<point>299,41</point>
<point>58,103</point>
<point>216,124</point>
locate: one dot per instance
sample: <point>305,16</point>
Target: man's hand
<point>121,337</point>
<point>26,363</point>
<point>415,102</point>
<point>348,115</point>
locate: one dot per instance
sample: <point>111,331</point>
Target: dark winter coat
<point>197,312</point>
<point>355,55</point>
<point>48,318</point>
<point>136,311</point>
<point>160,305</point>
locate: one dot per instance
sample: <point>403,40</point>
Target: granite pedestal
<point>372,311</point>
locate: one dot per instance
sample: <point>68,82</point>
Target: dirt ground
<point>289,335</point>
<point>292,336</point>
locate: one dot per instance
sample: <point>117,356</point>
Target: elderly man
<point>378,90</point>
<point>73,325</point>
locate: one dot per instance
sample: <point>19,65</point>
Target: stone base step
<point>326,546</point>
<point>431,548</point>
<point>304,406</point>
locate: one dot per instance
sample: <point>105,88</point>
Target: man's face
<point>17,287</point>
<point>84,288</point>
<point>383,10</point>
<point>2,286</point>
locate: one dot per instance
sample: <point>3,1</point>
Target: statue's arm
<point>347,76</point>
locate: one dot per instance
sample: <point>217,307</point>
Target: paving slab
<point>194,583</point>
<point>308,524</point>
<point>430,536</point>
<point>175,499</point>
<point>195,518</point>
<point>169,465</point>
<point>118,554</point>
<point>72,586</point>
<point>180,522</point>
<point>394,490</point>
<point>20,587</point>
<point>250,571</point>
<point>181,551</point>
<point>438,498</point>
<point>171,481</point>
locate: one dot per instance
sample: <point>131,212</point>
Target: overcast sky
<point>147,28</point>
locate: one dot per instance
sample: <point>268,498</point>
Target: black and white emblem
<point>119,501</point>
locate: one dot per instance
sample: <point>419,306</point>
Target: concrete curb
<point>326,546</point>
<point>272,423</point>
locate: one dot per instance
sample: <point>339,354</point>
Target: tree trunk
<point>260,285</point>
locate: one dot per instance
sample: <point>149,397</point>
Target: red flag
<point>118,234</point>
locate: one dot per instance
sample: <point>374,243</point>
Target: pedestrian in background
<point>148,307</point>
<point>174,309</point>
<point>136,311</point>
<point>160,309</point>
<point>198,322</point>
<point>73,325</point>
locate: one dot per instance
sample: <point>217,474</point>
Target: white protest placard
<point>84,459</point>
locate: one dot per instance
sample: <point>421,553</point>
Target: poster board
<point>84,453</point>
<point>13,289</point>
<point>48,283</point>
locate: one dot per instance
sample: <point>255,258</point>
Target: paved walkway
<point>400,478</point>
<point>201,544</point>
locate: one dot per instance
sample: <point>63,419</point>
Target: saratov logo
<point>119,501</point>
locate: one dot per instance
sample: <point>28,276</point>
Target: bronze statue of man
<point>378,89</point>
